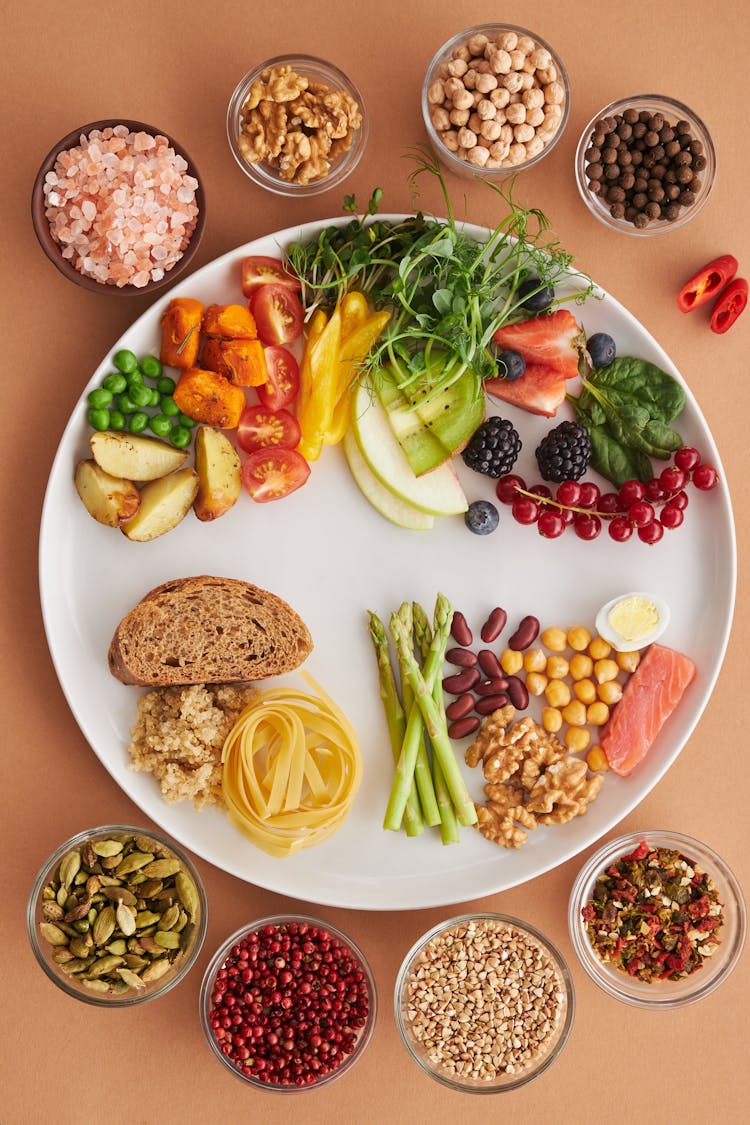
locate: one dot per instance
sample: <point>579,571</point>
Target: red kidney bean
<point>494,625</point>
<point>491,687</point>
<point>490,664</point>
<point>460,630</point>
<point>461,657</point>
<point>462,681</point>
<point>518,693</point>
<point>490,703</point>
<point>525,634</point>
<point>462,728</point>
<point>460,707</point>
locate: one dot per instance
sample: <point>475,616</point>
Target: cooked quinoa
<point>178,736</point>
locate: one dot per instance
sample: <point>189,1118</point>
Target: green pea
<point>155,397</point>
<point>141,396</point>
<point>151,367</point>
<point>116,420</point>
<point>169,406</point>
<point>98,418</point>
<point>180,436</point>
<point>116,383</point>
<point>185,421</point>
<point>99,398</point>
<point>126,404</point>
<point>135,379</point>
<point>138,423</point>
<point>160,425</point>
<point>125,361</point>
<point>165,385</point>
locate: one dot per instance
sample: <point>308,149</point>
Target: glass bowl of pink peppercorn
<point>288,1003</point>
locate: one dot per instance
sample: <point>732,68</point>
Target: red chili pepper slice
<point>707,282</point>
<point>730,304</point>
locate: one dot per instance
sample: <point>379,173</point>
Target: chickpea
<point>450,140</point>
<point>541,58</point>
<point>511,661</point>
<point>506,134</point>
<point>499,151</point>
<point>599,648</point>
<point>516,114</point>
<point>500,97</point>
<point>517,58</point>
<point>557,667</point>
<point>524,133</point>
<point>535,145</point>
<point>507,41</point>
<point>533,98</point>
<point>466,138</point>
<point>585,690</point>
<point>458,117</point>
<point>477,97</point>
<point>470,78</point>
<point>500,62</point>
<point>457,68</point>
<point>554,639</point>
<point>597,714</point>
<point>546,76</point>
<point>452,86</point>
<point>485,110</point>
<point>492,163</point>
<point>534,660</point>
<point>579,638</point>
<point>478,155</point>
<point>477,43</point>
<point>628,661</point>
<point>527,81</point>
<point>490,130</point>
<point>554,93</point>
<point>515,98</point>
<point>481,66</point>
<point>486,82</point>
<point>534,117</point>
<point>512,82</point>
<point>596,759</point>
<point>557,693</point>
<point>575,713</point>
<point>610,692</point>
<point>463,99</point>
<point>605,670</point>
<point>536,682</point>
<point>440,119</point>
<point>552,719</point>
<point>462,52</point>
<point>553,112</point>
<point>525,44</point>
<point>436,93</point>
<point>581,666</point>
<point>528,67</point>
<point>474,123</point>
<point>577,739</point>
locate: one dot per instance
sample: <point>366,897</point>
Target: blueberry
<point>482,517</point>
<point>601,349</point>
<point>511,365</point>
<point>534,298</point>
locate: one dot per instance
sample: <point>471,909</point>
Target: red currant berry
<point>551,524</point>
<point>620,529</point>
<point>641,514</point>
<point>687,458</point>
<point>680,500</point>
<point>587,527</point>
<point>671,517</point>
<point>507,487</point>
<point>569,493</point>
<point>609,503</point>
<point>654,490</point>
<point>631,491</point>
<point>589,494</point>
<point>525,510</point>
<point>705,477</point>
<point>567,515</point>
<point>673,479</point>
<point>651,532</point>
<point>542,491</point>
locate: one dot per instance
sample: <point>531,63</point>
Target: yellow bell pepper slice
<point>353,352</point>
<point>354,312</point>
<point>317,387</point>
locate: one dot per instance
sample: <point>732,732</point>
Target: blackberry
<point>494,448</point>
<point>564,453</point>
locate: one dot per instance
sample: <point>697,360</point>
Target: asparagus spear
<point>448,820</point>
<point>422,772</point>
<point>422,686</point>
<point>395,718</point>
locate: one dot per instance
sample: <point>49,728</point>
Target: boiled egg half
<point>632,621</point>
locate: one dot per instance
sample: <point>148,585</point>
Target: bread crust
<point>207,630</point>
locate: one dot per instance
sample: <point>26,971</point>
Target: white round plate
<point>332,557</point>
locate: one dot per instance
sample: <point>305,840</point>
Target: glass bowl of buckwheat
<point>484,1003</point>
<point>296,125</point>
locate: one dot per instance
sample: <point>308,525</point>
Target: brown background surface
<point>175,65</point>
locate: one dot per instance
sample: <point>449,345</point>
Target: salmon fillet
<point>650,696</point>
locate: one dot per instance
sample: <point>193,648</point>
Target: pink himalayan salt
<point>122,205</point>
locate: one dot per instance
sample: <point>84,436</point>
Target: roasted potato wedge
<point>133,457</point>
<point>164,503</point>
<point>218,468</point>
<point>110,500</point>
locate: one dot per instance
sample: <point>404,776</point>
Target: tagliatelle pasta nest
<point>291,769</point>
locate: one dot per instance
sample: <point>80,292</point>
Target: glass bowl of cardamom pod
<point>117,915</point>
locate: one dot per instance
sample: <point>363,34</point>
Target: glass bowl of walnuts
<point>645,165</point>
<point>495,100</point>
<point>296,125</point>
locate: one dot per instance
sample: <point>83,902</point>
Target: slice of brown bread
<point>206,630</point>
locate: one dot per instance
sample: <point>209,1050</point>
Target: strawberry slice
<point>540,390</point>
<point>552,341</point>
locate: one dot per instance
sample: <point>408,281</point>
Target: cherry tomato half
<point>271,473</point>
<point>282,385</point>
<point>260,427</point>
<point>278,314</point>
<point>260,270</point>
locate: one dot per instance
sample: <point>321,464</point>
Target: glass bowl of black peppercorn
<point>645,165</point>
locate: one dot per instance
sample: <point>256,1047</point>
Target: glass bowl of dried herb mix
<point>657,919</point>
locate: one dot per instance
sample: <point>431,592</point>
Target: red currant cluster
<point>633,508</point>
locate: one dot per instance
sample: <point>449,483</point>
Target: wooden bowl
<point>53,249</point>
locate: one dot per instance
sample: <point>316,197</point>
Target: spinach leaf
<point>616,462</point>
<point>628,379</point>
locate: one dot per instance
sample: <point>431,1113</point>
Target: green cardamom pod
<point>53,934</point>
<point>148,945</point>
<point>82,946</point>
<point>107,848</point>
<point>167,939</point>
<point>96,985</point>
<point>134,861</point>
<point>70,865</point>
<point>104,965</point>
<point>188,893</point>
<point>120,894</point>
<point>146,918</point>
<point>161,868</point>
<point>75,966</point>
<point>126,920</point>
<point>62,954</point>
<point>137,964</point>
<point>131,979</point>
<point>155,971</point>
<point>150,888</point>
<point>52,911</point>
<point>169,918</point>
<point>119,947</point>
<point>104,926</point>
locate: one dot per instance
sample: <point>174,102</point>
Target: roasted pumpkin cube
<point>240,361</point>
<point>230,322</point>
<point>208,397</point>
<point>180,332</point>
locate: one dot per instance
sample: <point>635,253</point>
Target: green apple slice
<point>381,498</point>
<point>439,493</point>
